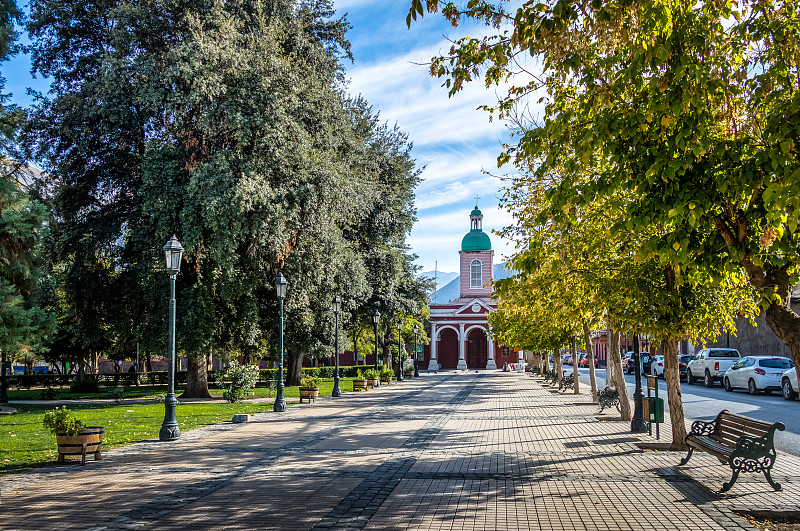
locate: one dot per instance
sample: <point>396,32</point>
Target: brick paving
<point>448,451</point>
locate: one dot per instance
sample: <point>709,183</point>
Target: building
<point>459,330</point>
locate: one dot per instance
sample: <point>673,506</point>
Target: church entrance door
<point>447,348</point>
<point>476,349</point>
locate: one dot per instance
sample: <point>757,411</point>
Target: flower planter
<point>386,379</point>
<point>86,441</point>
<point>359,385</point>
<point>309,393</point>
<point>372,382</point>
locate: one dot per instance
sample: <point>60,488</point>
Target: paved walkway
<point>444,451</point>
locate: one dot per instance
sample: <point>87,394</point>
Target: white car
<point>657,366</point>
<point>757,373</point>
<point>789,384</point>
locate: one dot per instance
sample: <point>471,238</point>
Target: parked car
<point>789,384</point>
<point>710,364</point>
<point>683,363</point>
<point>566,359</point>
<point>583,360</point>
<point>628,365</point>
<point>657,366</point>
<point>757,373</point>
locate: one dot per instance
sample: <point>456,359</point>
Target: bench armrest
<point>700,427</point>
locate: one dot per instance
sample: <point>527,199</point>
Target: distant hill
<point>442,278</point>
<point>452,290</point>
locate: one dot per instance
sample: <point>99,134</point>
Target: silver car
<point>789,384</point>
<point>757,373</point>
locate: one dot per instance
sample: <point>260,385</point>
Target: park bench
<point>608,397</point>
<point>568,382</point>
<point>745,444</point>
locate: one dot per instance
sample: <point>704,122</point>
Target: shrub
<point>243,378</point>
<point>359,376</point>
<point>87,385</point>
<point>371,374</point>
<point>48,393</point>
<point>387,373</point>
<point>62,420</point>
<point>310,381</point>
<point>408,371</point>
<point>117,394</point>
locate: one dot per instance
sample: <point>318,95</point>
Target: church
<point>459,330</point>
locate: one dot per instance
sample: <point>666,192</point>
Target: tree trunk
<point>294,368</point>
<point>782,319</point>
<point>575,376</point>
<point>196,376</point>
<point>618,376</point>
<point>675,399</point>
<point>590,357</point>
<point>557,367</point>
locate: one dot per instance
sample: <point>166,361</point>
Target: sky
<point>453,141</point>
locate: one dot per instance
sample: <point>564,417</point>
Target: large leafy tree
<point>690,110</point>
<point>226,124</point>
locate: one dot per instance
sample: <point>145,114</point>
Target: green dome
<point>476,240</point>
<point>476,212</point>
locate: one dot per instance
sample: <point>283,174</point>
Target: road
<point>702,403</point>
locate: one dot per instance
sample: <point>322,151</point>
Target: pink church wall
<point>486,260</point>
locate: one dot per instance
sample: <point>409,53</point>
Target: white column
<point>433,364</point>
<point>490,365</point>
<point>521,361</point>
<point>462,363</point>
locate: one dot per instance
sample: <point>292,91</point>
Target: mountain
<point>442,278</point>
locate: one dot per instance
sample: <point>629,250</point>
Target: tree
<point>692,108</point>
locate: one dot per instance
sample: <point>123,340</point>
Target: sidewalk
<point>486,450</point>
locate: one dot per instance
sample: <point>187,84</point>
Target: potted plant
<point>359,382</point>
<point>372,377</point>
<point>72,437</point>
<point>309,388</point>
<point>386,376</point>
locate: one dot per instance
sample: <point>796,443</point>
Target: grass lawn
<point>25,443</point>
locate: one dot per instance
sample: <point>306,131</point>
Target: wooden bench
<point>745,444</point>
<point>608,397</point>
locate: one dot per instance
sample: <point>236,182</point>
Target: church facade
<point>459,329</point>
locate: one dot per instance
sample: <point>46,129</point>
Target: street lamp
<point>416,369</point>
<point>376,317</point>
<point>638,424</point>
<point>400,350</point>
<point>173,252</point>
<point>280,290</point>
<point>337,304</point>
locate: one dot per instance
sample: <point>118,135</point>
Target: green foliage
<point>117,394</point>
<point>87,385</point>
<point>387,374</point>
<point>371,374</point>
<point>242,379</point>
<point>48,393</point>
<point>62,420</point>
<point>310,381</point>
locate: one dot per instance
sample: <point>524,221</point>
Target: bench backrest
<point>731,426</point>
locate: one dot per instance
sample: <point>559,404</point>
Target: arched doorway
<point>447,349</point>
<point>476,349</point>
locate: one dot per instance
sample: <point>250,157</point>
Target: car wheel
<point>788,392</point>
<point>689,378</point>
<point>727,384</point>
<point>751,387</point>
<point>708,380</point>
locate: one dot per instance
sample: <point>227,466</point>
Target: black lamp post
<point>337,304</point>
<point>400,350</point>
<point>173,252</point>
<point>416,369</point>
<point>280,290</point>
<point>638,424</point>
<point>376,317</point>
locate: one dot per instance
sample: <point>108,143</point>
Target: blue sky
<point>453,140</point>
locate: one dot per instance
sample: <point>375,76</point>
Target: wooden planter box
<point>372,382</point>
<point>359,385</point>
<point>86,441</point>
<point>309,393</point>
<point>386,379</point>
